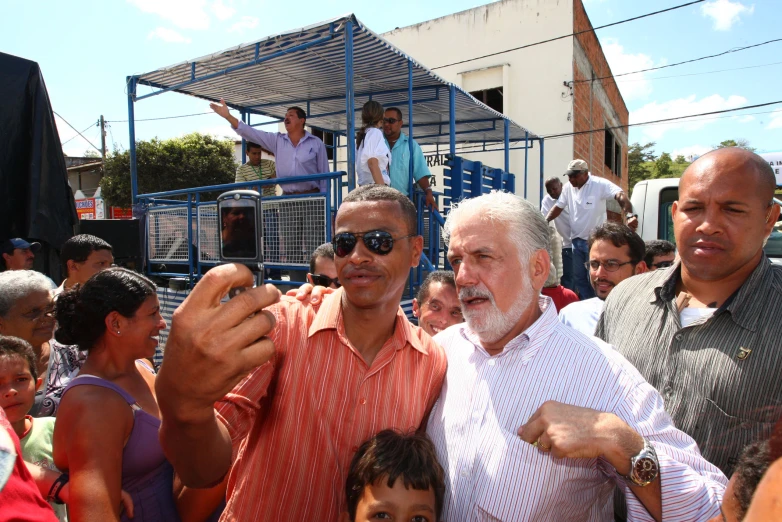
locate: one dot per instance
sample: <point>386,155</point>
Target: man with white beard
<point>536,421</point>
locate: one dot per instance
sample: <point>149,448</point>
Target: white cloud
<point>690,153</point>
<point>167,35</point>
<point>247,22</point>
<point>222,11</point>
<point>776,120</point>
<point>746,119</point>
<point>725,13</point>
<point>632,86</point>
<point>185,14</point>
<point>218,131</point>
<point>682,107</point>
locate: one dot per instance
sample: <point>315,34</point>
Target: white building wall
<point>531,79</point>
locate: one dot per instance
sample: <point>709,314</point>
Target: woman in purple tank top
<point>106,435</point>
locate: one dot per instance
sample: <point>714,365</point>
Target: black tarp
<point>36,202</point>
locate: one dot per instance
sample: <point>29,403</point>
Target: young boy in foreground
<point>395,476</point>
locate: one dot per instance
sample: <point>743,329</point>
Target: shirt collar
<point>749,289</point>
<point>402,139</point>
<point>306,136</point>
<point>330,317</point>
<point>531,339</point>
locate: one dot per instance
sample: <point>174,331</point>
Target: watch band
<point>57,485</point>
<point>644,467</point>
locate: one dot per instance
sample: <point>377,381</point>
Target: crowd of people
<point>641,384</point>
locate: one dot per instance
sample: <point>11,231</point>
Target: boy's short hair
<point>391,454</point>
<point>78,249</point>
<point>15,347</point>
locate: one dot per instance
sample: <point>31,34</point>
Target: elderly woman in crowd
<point>26,307</point>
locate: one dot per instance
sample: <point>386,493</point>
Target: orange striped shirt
<point>296,421</point>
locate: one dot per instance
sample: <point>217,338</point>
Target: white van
<point>652,200</point>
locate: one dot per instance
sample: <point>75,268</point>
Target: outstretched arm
<point>222,109</point>
<point>211,348</point>
<point>553,213</point>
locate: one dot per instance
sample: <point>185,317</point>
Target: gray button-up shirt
<point>721,378</point>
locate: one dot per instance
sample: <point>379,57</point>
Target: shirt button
<point>492,362</point>
<point>465,473</point>
<point>362,401</point>
<point>678,337</point>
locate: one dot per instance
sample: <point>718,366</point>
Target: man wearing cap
<point>584,197</point>
<point>18,254</point>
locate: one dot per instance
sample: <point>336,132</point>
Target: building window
<point>328,140</point>
<point>613,153</point>
<point>490,97</point>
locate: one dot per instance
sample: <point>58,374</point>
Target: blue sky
<point>87,48</point>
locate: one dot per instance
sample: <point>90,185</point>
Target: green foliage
<point>662,166</point>
<point>194,160</point>
<point>741,143</point>
<point>638,158</point>
<point>680,160</point>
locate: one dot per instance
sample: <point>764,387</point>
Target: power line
<point>79,133</point>
<point>735,50</point>
<point>566,134</point>
<point>74,137</point>
<point>163,117</point>
<point>701,73</point>
<point>570,35</point>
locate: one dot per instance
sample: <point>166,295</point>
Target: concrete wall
<point>596,104</point>
<point>531,79</point>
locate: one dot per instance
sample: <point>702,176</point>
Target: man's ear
<point>640,268</point>
<point>309,279</point>
<point>416,309</point>
<point>418,248</point>
<point>38,383</point>
<point>71,266</point>
<point>539,265</point>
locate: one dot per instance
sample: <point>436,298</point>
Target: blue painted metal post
<point>507,145</point>
<point>452,118</point>
<point>350,104</point>
<point>541,169</point>
<point>244,142</point>
<point>526,160</point>
<point>190,278</point>
<point>131,81</point>
<point>411,177</point>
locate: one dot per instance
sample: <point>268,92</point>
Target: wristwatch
<point>630,216</point>
<point>644,467</point>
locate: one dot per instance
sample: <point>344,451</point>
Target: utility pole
<point>103,138</point>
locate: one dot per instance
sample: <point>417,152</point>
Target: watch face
<point>645,470</point>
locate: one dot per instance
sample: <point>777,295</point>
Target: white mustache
<point>471,292</point>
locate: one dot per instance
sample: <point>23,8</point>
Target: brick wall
<point>607,105</point>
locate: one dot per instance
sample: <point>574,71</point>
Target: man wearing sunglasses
<point>285,414</point>
<point>659,254</point>
<point>399,144</point>
<point>615,254</point>
<point>323,270</point>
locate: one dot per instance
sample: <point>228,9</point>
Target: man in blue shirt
<point>400,157</point>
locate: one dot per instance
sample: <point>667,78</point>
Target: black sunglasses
<point>390,121</point>
<point>377,241</point>
<point>323,280</point>
<point>663,264</point>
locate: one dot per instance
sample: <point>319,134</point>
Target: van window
<point>664,219</point>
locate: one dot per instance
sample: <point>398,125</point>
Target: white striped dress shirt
<point>491,474</point>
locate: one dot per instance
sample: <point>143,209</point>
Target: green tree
<point>741,143</point>
<point>194,160</point>
<point>662,166</point>
<point>681,160</point>
<point>638,156</point>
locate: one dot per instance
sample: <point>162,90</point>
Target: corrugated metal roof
<point>314,78</point>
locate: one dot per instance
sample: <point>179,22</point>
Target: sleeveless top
<point>146,474</point>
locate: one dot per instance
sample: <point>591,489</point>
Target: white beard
<point>492,325</point>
